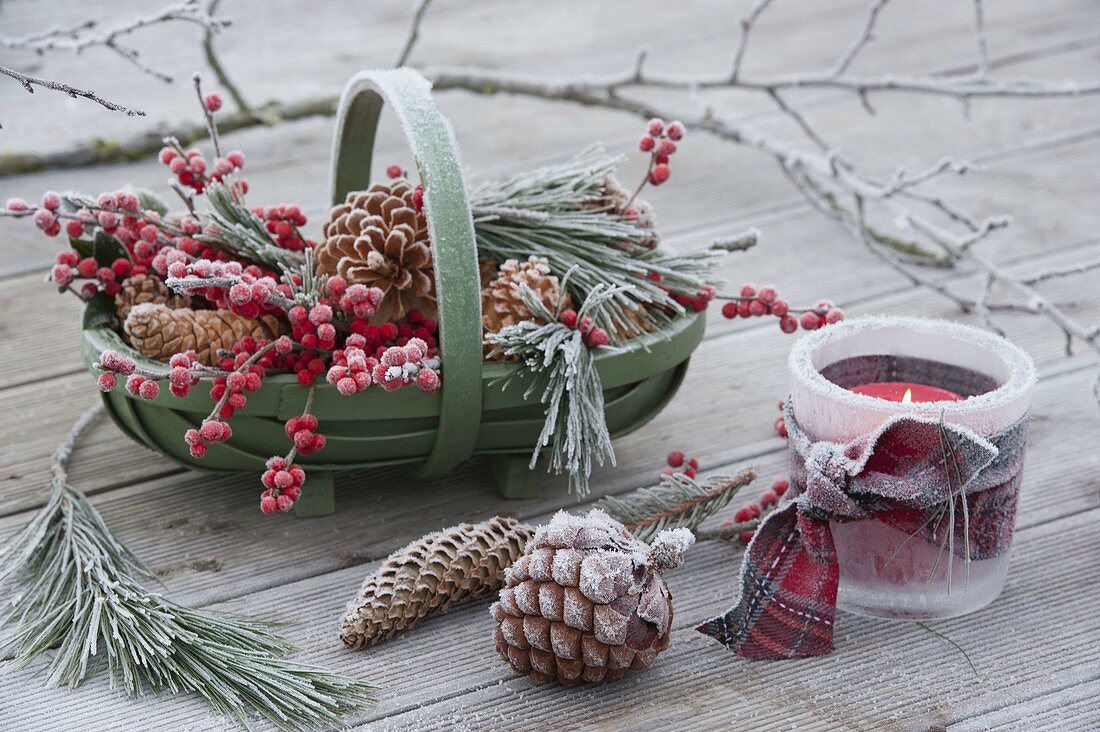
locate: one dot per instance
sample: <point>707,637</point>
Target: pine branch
<point>575,430</point>
<point>677,502</point>
<point>561,212</point>
<point>241,231</point>
<point>73,587</point>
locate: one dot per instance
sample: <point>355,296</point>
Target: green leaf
<point>100,312</point>
<point>106,249</point>
<point>83,247</point>
<point>152,202</point>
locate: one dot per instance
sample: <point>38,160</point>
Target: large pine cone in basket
<point>586,601</point>
<point>378,238</point>
<point>159,331</point>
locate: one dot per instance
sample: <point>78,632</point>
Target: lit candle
<point>906,392</point>
<point>897,564</point>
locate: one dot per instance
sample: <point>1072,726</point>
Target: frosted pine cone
<point>501,302</point>
<point>586,601</point>
<point>378,238</point>
<point>160,332</point>
<point>614,199</point>
<point>430,575</point>
<point>141,289</point>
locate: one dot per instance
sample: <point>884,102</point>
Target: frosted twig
<point>866,33</point>
<point>414,33</point>
<point>29,82</point>
<point>747,24</point>
<point>979,38</point>
<point>215,64</point>
<point>1066,271</point>
<point>83,36</point>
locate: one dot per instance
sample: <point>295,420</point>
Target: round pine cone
<point>586,601</point>
<point>141,289</point>
<point>159,332</point>
<point>378,238</point>
<point>501,302</point>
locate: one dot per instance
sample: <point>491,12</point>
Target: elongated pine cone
<point>378,238</point>
<point>586,601</point>
<point>501,302</point>
<point>431,575</point>
<point>145,288</point>
<point>159,331</point>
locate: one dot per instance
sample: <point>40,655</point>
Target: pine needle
<point>575,429</point>
<point>242,233</point>
<point>71,586</point>
<point>558,212</point>
<point>676,502</point>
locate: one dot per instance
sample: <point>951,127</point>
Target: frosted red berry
<point>675,458</point>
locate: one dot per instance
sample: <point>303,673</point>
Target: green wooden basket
<point>470,414</point>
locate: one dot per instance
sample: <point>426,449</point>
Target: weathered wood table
<point>1035,652</point>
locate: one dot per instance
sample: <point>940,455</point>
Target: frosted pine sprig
<point>678,501</point>
<point>72,587</point>
<point>558,348</point>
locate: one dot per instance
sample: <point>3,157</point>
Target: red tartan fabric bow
<point>789,574</point>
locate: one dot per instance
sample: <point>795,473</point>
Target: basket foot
<point>513,477</point>
<point>318,496</point>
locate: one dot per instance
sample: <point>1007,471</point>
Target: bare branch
<point>747,24</point>
<point>414,33</point>
<point>1067,271</point>
<point>215,63</point>
<point>866,33</point>
<point>979,38</point>
<point>81,37</point>
<point>29,82</point>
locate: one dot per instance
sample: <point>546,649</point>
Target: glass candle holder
<point>897,563</point>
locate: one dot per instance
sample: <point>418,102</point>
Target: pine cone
<point>501,302</point>
<point>430,575</point>
<point>586,601</point>
<point>158,331</point>
<point>379,238</point>
<point>144,288</point>
<point>614,199</point>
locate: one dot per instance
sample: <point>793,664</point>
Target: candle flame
<point>908,396</point>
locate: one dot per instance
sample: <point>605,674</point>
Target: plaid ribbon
<point>903,473</point>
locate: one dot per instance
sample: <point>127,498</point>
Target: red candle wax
<point>904,391</point>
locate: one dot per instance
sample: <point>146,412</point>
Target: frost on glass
<point>884,571</point>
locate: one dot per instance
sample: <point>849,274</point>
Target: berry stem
<point>211,125</point>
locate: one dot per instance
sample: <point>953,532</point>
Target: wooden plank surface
<point>206,540</point>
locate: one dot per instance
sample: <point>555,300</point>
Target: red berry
<point>810,320</point>
<point>781,427</point>
<point>694,463</point>
<point>834,316</point>
<point>659,174</point>
<point>690,472</point>
<point>107,381</point>
<point>149,390</point>
<point>666,147</point>
<point>768,498</point>
<point>745,537</point>
<point>788,324</point>
<point>198,451</point>
<point>748,290</point>
<point>768,294</point>
<point>676,130</point>
<point>269,505</point>
<point>284,503</point>
<point>780,486</point>
<point>568,318</point>
<point>729,310</point>
<point>213,102</point>
<point>757,308</point>
<point>394,171</point>
<point>655,127</point>
<point>743,514</point>
<point>646,144</point>
<point>675,458</point>
<point>780,308</point>
<point>74,229</point>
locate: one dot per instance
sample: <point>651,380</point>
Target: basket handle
<point>450,227</point>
